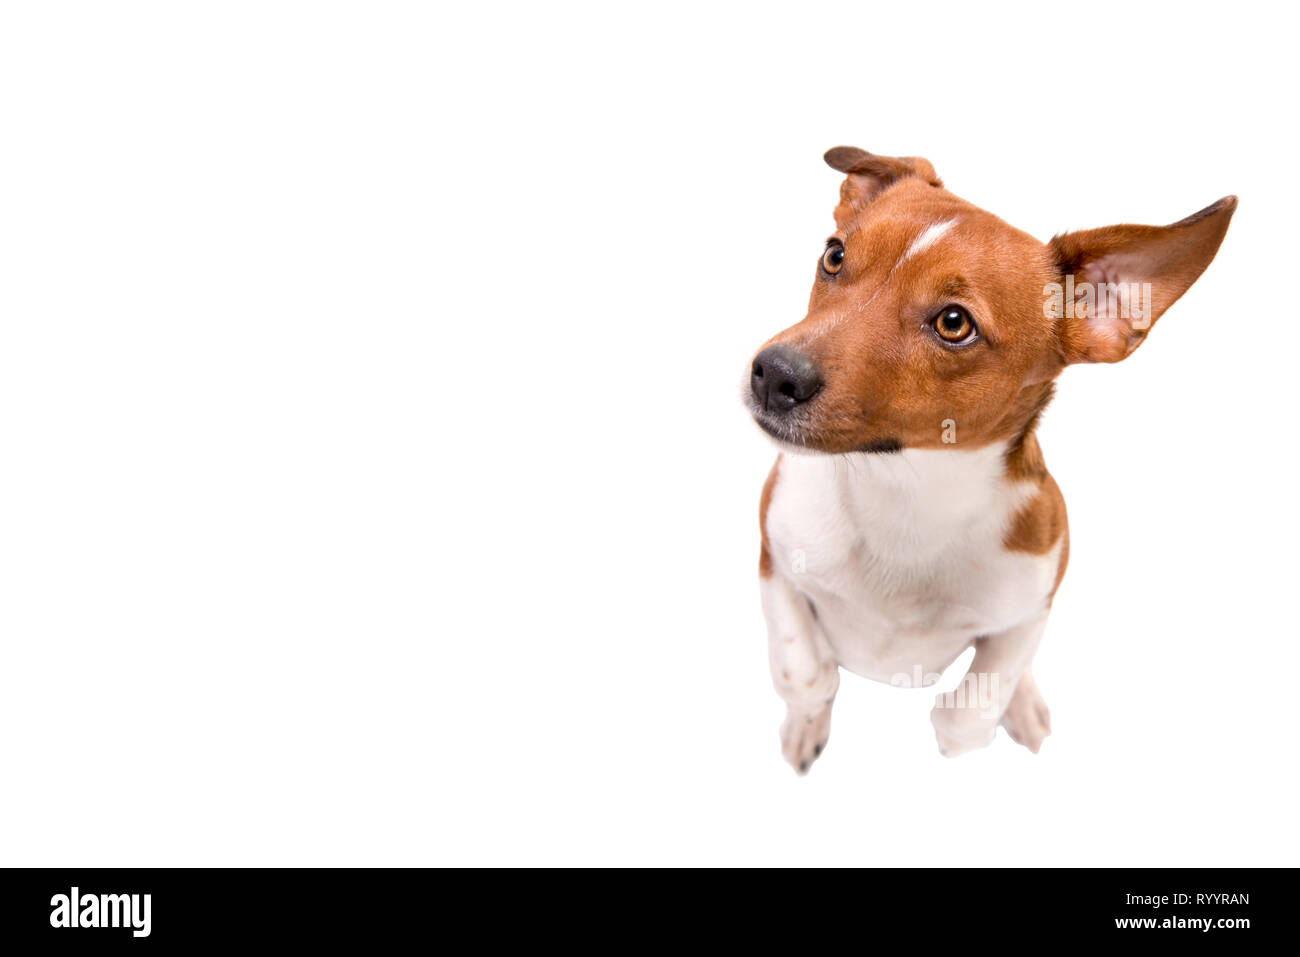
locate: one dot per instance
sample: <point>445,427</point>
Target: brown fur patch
<point>765,556</point>
<point>1040,522</point>
<point>1065,560</point>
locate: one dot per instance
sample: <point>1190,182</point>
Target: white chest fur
<point>902,555</point>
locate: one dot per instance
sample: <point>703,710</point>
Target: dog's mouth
<point>786,432</point>
<point>881,447</point>
<point>795,433</point>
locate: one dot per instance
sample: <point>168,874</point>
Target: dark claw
<point>817,751</point>
<point>803,766</point>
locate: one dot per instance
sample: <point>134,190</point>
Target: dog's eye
<point>955,325</point>
<point>833,258</point>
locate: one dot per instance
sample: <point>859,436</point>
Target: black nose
<point>783,378</point>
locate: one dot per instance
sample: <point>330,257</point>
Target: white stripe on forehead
<point>929,236</point>
<point>924,240</point>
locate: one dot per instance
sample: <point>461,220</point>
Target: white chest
<point>902,555</point>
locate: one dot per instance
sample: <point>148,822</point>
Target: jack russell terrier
<point>910,514</point>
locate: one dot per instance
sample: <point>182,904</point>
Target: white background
<point>374,487</point>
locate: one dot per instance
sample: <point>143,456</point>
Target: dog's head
<point>932,321</point>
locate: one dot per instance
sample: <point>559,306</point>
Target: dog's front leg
<point>804,671</point>
<point>968,718</point>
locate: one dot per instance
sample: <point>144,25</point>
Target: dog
<point>909,514</point>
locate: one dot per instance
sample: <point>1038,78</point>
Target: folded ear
<point>869,174</point>
<point>1118,280</point>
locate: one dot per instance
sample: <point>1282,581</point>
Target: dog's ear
<point>1115,282</point>
<point>868,174</point>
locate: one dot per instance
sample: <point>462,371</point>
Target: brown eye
<point>833,258</point>
<point>955,325</point>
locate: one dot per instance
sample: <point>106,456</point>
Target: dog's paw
<point>1027,719</point>
<point>959,730</point>
<point>804,736</point>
